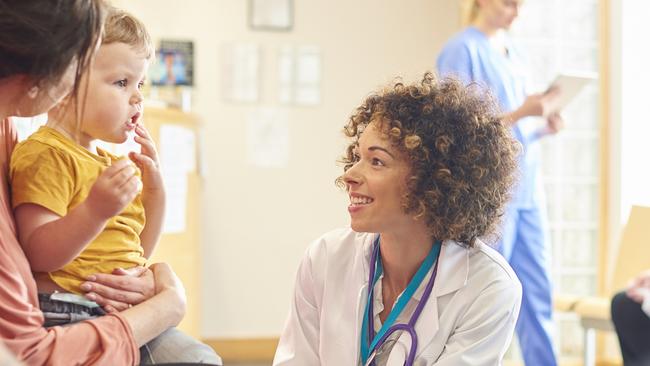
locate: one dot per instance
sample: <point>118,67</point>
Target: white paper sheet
<point>286,61</point>
<point>177,159</point>
<point>299,75</point>
<point>268,138</point>
<point>570,85</point>
<point>271,13</point>
<point>240,72</point>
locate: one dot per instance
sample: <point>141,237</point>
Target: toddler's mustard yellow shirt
<point>52,171</point>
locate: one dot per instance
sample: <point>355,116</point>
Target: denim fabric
<point>170,347</point>
<point>60,312</point>
<point>174,346</point>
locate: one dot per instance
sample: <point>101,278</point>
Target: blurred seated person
<point>631,317</point>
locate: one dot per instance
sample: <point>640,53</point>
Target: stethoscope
<point>371,342</point>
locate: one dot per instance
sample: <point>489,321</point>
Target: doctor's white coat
<point>468,320</point>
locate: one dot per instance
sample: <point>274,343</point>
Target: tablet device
<point>570,86</point>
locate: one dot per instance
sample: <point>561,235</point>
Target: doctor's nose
<point>351,177</point>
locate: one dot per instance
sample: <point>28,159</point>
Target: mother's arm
<point>113,339</point>
<point>165,309</point>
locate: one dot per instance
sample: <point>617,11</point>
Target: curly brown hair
<point>462,157</point>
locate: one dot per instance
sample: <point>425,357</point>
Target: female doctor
<point>428,170</point>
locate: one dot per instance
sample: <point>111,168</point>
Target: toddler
<point>79,209</point>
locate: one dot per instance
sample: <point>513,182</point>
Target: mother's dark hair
<point>40,39</point>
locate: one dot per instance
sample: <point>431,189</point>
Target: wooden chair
<point>633,257</point>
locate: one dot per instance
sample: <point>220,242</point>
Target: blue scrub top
<point>470,57</point>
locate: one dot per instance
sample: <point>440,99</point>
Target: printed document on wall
<point>267,137</point>
<point>240,72</point>
<point>177,160</point>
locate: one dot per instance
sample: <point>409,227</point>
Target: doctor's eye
<point>377,162</point>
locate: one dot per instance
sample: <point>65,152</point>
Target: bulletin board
<point>181,249</point>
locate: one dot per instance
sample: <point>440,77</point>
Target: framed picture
<point>275,15</point>
<point>174,64</point>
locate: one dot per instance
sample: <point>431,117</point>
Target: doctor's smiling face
<point>376,184</point>
<point>431,153</point>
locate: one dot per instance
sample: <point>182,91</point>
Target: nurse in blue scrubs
<point>483,53</point>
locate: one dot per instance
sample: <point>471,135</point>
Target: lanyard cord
<point>367,329</point>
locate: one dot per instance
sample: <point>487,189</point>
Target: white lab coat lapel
<point>362,298</point>
<point>452,275</point>
<point>361,307</point>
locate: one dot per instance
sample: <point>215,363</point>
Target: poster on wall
<point>270,14</point>
<point>174,64</point>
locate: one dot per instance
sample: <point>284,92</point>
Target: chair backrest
<point>634,248</point>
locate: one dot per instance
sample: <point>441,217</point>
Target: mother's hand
<point>121,289</point>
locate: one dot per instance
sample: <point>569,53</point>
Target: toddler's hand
<point>147,160</point>
<point>113,190</point>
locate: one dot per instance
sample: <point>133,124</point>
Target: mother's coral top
<point>103,341</point>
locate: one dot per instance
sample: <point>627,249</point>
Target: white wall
<point>635,122</point>
<point>258,222</point>
<point>629,126</point>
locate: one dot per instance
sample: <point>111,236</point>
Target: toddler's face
<point>113,104</point>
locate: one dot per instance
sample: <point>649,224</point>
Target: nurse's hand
<point>535,105</point>
<point>121,289</point>
<point>554,124</point>
<point>542,104</point>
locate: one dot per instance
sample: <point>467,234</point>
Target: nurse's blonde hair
<point>468,11</point>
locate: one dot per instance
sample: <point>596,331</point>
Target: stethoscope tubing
<point>410,327</point>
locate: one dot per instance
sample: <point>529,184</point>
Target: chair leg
<point>590,347</point>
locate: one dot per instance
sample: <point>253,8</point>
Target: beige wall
<point>258,222</point>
